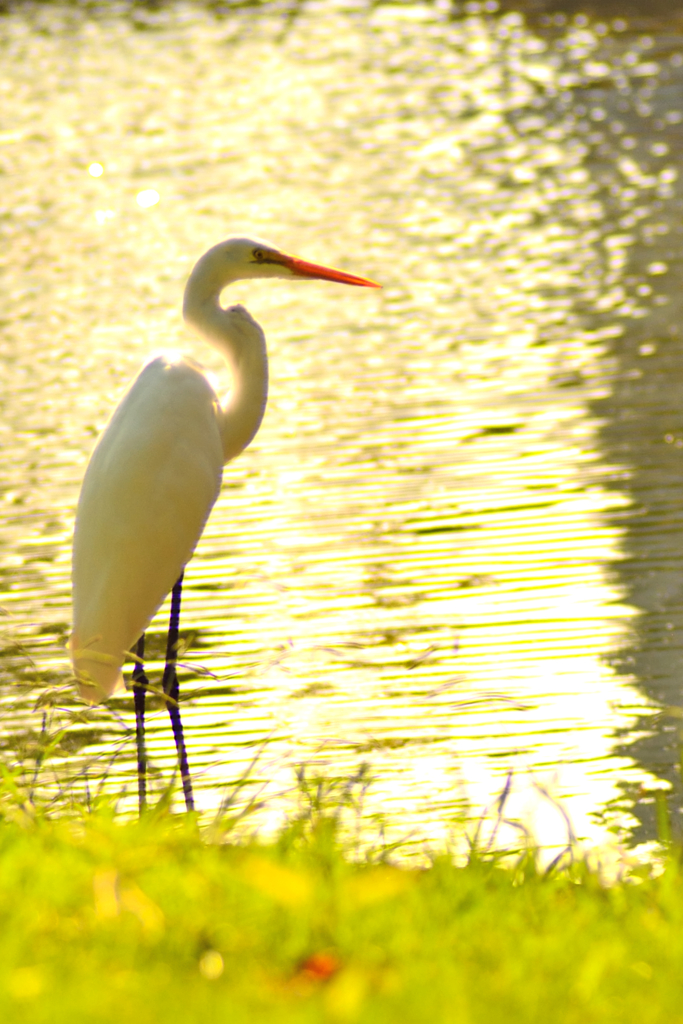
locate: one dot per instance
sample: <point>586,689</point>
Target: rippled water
<point>454,549</point>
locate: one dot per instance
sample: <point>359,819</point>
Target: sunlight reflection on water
<point>413,566</point>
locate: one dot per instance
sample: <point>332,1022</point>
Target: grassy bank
<point>143,922</point>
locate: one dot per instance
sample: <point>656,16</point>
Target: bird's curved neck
<point>242,344</point>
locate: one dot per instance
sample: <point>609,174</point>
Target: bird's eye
<point>259,255</point>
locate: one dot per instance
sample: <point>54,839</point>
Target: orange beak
<point>313,270</point>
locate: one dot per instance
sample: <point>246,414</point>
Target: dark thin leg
<point>171,689</point>
<point>140,684</point>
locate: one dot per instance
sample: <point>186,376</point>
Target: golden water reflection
<point>416,564</point>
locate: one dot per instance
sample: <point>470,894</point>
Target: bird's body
<point>156,471</point>
<point>134,538</point>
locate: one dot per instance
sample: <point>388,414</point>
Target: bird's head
<point>237,259</point>
<point>240,258</point>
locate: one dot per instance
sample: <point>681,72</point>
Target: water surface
<point>453,550</point>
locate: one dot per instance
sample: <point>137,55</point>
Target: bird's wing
<point>148,490</point>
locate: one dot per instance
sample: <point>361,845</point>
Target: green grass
<point>150,921</point>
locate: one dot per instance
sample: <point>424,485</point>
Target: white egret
<point>155,474</point>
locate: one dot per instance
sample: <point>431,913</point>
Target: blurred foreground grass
<point>103,920</point>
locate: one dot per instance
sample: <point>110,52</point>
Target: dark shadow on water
<point>655,15</point>
<point>641,441</point>
<point>642,435</point>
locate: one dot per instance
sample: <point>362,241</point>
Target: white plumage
<point>147,493</point>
